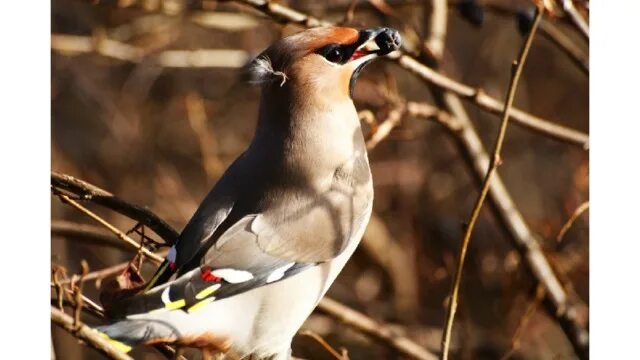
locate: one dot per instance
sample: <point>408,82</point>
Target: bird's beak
<point>373,43</point>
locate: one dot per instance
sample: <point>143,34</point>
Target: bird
<point>269,239</point>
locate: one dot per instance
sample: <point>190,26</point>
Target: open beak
<point>371,44</point>
<point>375,42</point>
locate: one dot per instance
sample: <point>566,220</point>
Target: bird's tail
<point>126,334</point>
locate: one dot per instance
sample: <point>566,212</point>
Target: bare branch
<point>384,129</point>
<point>493,166</point>
<point>90,336</point>
<point>576,214</point>
<point>435,43</point>
<point>283,14</point>
<point>576,18</point>
<point>374,329</point>
<point>121,235</point>
<point>104,198</point>
<point>564,43</point>
<point>204,58</point>
<point>490,104</point>
<point>322,343</point>
<point>89,233</point>
<point>524,320</point>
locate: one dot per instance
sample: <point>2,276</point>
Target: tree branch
<point>576,18</point>
<point>283,14</point>
<point>104,198</point>
<point>374,329</point>
<point>89,233</point>
<point>90,336</point>
<point>203,58</point>
<point>122,236</point>
<point>493,166</point>
<point>576,214</point>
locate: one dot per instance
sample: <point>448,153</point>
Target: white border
<point>24,167</point>
<point>615,179</point>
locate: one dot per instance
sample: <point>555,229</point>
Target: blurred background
<point>148,104</point>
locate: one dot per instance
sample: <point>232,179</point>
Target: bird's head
<point>324,60</point>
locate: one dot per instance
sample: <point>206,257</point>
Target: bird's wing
<point>257,250</point>
<point>233,265</point>
<point>279,226</point>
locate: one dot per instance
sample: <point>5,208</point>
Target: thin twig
<point>121,235</point>
<point>562,305</point>
<point>493,166</point>
<point>55,272</point>
<point>92,234</point>
<point>322,343</point>
<point>384,129</point>
<point>86,303</point>
<point>104,198</point>
<point>377,330</point>
<point>524,320</point>
<point>576,18</point>
<point>77,289</point>
<point>576,214</point>
<point>98,275</point>
<point>564,43</point>
<point>90,336</point>
<point>97,310</point>
<point>435,42</point>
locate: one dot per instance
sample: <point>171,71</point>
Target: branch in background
<point>122,236</point>
<point>493,167</point>
<point>90,234</point>
<point>524,320</point>
<point>564,43</point>
<point>437,29</point>
<point>198,121</point>
<point>203,58</point>
<point>98,275</point>
<point>384,129</point>
<point>396,260</point>
<point>374,329</point>
<point>323,343</point>
<point>490,104</point>
<point>283,14</point>
<point>576,18</point>
<point>104,198</point>
<point>547,28</point>
<point>576,214</point>
<point>563,306</point>
<point>90,336</point>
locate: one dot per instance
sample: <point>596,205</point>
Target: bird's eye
<point>333,53</point>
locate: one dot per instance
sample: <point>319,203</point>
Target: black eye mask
<point>387,40</point>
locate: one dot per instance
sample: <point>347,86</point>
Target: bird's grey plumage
<point>274,232</point>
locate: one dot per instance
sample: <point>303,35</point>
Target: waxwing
<point>270,238</point>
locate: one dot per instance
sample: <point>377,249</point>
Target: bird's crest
<point>260,71</point>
